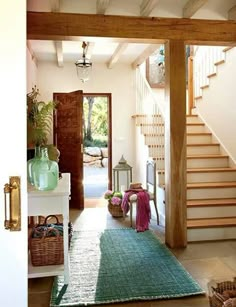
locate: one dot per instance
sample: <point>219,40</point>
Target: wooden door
<point>68,138</point>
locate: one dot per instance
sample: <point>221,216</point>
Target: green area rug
<point>121,265</point>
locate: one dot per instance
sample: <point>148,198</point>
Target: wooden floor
<point>204,261</point>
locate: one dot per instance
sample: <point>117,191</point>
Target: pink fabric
<point>143,215</point>
<point>143,211</point>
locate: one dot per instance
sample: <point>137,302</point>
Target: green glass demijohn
<point>45,172</point>
<point>37,155</point>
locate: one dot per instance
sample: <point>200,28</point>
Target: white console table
<point>47,203</point>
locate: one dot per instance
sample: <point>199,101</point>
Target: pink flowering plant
<point>115,198</point>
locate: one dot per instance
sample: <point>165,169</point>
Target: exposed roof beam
<point>147,6</point>
<point>232,13</point>
<point>102,6</point>
<point>89,51</point>
<point>59,50</point>
<point>144,55</point>
<point>116,55</point>
<point>55,5</point>
<point>66,26</point>
<point>192,6</point>
<point>33,57</point>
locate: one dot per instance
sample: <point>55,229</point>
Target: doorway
<point>97,151</point>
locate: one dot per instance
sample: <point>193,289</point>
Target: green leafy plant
<point>39,118</point>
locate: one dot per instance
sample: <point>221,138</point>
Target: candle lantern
<point>122,175</point>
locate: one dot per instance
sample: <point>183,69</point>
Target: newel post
<point>175,144</point>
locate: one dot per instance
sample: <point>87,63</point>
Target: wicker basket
<point>115,210</point>
<point>218,291</point>
<point>46,243</point>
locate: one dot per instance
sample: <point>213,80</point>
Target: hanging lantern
<point>122,175</point>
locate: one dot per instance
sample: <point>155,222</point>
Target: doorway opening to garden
<point>97,148</point>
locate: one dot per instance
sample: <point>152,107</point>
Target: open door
<point>68,138</point>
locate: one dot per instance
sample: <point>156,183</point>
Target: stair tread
<point>202,185</point>
<point>188,145</point>
<point>216,156</point>
<point>209,170</point>
<point>203,144</point>
<point>211,202</point>
<point>211,222</point>
<point>205,170</point>
<point>188,134</point>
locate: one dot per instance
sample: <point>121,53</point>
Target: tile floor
<point>204,261</point>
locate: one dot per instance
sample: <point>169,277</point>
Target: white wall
<point>118,81</point>
<point>218,105</point>
<point>31,71</point>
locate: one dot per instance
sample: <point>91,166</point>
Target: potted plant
<point>114,203</point>
<point>39,119</point>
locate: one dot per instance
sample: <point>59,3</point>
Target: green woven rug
<point>121,265</point>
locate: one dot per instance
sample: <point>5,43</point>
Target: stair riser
<point>208,193</point>
<point>205,177</point>
<point>158,129</point>
<point>207,163</point>
<point>194,150</point>
<point>199,139</point>
<point>211,177</point>
<point>198,163</point>
<point>193,120</point>
<point>206,234</point>
<point>191,139</point>
<point>196,129</point>
<point>203,150</point>
<point>211,212</point>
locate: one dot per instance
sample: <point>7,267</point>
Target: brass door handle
<point>13,215</point>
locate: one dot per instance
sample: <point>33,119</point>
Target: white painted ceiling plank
<point>116,55</point>
<point>192,6</point>
<point>102,6</point>
<point>144,55</point>
<point>147,6</point>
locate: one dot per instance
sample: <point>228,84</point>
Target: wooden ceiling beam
<point>147,6</point>
<point>192,6</point>
<point>66,26</point>
<point>116,55</point>
<point>144,55</point>
<point>59,51</point>
<point>102,6</point>
<point>232,13</point>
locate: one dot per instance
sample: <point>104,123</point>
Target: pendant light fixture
<point>84,65</point>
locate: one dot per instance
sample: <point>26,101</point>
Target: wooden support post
<point>190,85</point>
<point>175,144</point>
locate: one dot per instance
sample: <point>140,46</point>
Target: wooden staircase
<point>211,182</point>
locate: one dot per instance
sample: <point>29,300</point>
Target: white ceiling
<point>102,51</point>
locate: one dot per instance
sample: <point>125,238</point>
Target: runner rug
<point>119,265</point>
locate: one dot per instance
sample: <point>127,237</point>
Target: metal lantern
<point>122,175</point>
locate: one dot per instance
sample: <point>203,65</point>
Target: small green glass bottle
<point>45,172</point>
<point>37,155</point>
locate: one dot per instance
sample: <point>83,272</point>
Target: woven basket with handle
<point>46,243</point>
<point>115,210</point>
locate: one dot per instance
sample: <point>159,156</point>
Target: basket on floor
<point>115,210</point>
<point>46,243</point>
<point>221,293</point>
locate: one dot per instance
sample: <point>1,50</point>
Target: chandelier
<point>83,65</point>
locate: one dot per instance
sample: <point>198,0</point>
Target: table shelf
<point>47,203</point>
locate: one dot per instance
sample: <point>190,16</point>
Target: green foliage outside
<point>95,122</point>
